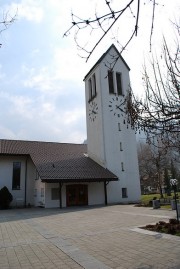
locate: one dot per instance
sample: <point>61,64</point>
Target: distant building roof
<point>58,162</point>
<point>102,57</point>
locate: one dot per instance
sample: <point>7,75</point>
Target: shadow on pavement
<point>14,214</point>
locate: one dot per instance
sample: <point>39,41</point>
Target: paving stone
<point>95,237</point>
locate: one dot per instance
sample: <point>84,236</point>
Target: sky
<point>42,94</point>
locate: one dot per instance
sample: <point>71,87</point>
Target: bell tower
<point>111,142</point>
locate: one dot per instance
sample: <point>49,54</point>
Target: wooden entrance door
<point>76,195</point>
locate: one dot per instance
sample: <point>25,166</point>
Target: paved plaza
<point>88,237</point>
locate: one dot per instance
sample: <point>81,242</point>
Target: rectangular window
<point>124,193</point>
<point>37,175</point>
<point>16,175</point>
<point>120,146</point>
<point>111,82</point>
<point>94,85</point>
<point>122,166</point>
<point>42,192</point>
<point>55,194</point>
<point>119,126</point>
<point>119,84</point>
<point>35,192</point>
<point>90,89</point>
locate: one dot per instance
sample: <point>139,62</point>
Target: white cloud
<point>6,133</point>
<point>73,116</point>
<point>30,10</point>
<point>44,100</point>
<point>41,79</point>
<point>68,65</point>
<point>17,105</point>
<point>41,119</point>
<point>2,74</point>
<point>35,52</point>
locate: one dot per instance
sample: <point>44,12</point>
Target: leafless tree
<point>104,22</point>
<point>152,164</point>
<point>158,114</point>
<point>6,21</point>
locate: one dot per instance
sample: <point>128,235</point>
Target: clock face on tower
<point>93,110</point>
<point>116,105</point>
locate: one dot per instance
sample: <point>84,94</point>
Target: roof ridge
<point>36,141</point>
<point>104,54</point>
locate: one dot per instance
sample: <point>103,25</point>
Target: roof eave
<point>101,58</point>
<point>66,180</point>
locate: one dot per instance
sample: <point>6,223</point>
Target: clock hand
<point>118,107</point>
<point>94,112</point>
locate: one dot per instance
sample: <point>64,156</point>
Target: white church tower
<point>110,142</point>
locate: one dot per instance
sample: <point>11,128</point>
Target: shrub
<point>150,203</point>
<point>159,228</point>
<point>162,222</point>
<point>171,230</point>
<point>173,221</point>
<point>150,226</point>
<point>5,198</point>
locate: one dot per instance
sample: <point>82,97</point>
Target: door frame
<point>78,188</point>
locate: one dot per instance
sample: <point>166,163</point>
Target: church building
<point>105,171</point>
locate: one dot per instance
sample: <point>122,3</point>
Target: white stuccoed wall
<point>95,129</point>
<point>6,171</point>
<point>39,200</point>
<point>103,136</point>
<point>95,194</point>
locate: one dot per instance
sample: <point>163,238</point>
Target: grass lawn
<point>162,227</point>
<point>166,206</point>
<point>146,198</point>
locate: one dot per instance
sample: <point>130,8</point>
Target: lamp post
<point>174,183</point>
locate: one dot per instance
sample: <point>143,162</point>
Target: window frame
<point>16,176</point>
<point>42,192</point>
<point>92,87</point>
<point>120,146</point>
<point>35,193</point>
<point>124,193</point>
<point>90,90</point>
<point>119,83</point>
<point>94,90</point>
<point>111,82</point>
<point>122,166</point>
<point>119,126</point>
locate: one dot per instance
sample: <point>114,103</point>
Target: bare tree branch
<point>158,115</point>
<point>6,22</point>
<point>112,17</point>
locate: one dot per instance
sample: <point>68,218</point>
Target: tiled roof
<point>56,162</point>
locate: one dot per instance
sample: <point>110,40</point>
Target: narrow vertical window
<point>121,146</point>
<point>16,175</point>
<point>35,192</point>
<point>122,166</point>
<point>111,82</point>
<point>94,85</point>
<point>42,192</point>
<point>119,83</point>
<point>119,127</point>
<point>124,193</point>
<point>37,175</point>
<point>90,89</point>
